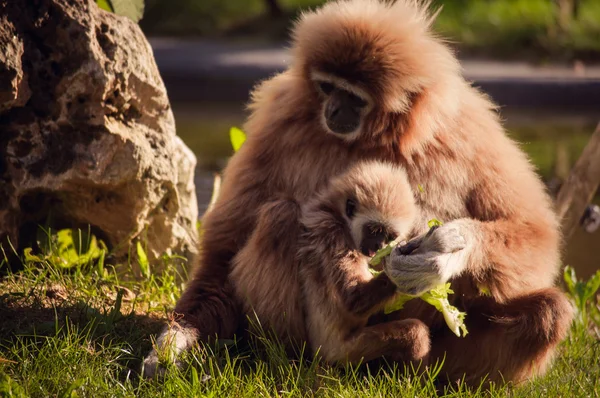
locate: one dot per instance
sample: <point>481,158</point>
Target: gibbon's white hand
<point>428,260</point>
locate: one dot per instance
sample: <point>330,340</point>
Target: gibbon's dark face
<point>342,109</point>
<point>373,235</point>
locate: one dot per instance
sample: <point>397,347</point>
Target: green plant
<point>133,9</point>
<point>143,260</point>
<point>237,137</point>
<point>582,294</point>
<point>68,248</point>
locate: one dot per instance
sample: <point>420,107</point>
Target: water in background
<point>553,141</point>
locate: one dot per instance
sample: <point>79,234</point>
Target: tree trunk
<point>579,189</point>
<point>567,11</point>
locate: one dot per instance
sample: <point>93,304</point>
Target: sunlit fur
<point>339,291</point>
<point>447,137</point>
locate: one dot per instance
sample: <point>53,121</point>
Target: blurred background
<point>539,59</point>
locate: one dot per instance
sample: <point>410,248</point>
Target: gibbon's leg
<point>365,297</point>
<point>402,341</point>
<point>508,342</point>
<point>208,307</point>
<point>265,272</point>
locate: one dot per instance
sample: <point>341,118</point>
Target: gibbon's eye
<point>350,208</point>
<point>326,88</point>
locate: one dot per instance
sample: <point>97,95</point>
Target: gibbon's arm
<point>364,297</point>
<point>208,301</point>
<point>504,257</point>
<point>508,245</point>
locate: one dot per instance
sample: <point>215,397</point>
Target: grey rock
<point>87,134</point>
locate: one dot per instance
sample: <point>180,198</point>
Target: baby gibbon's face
<point>369,235</point>
<point>377,203</point>
<point>373,199</point>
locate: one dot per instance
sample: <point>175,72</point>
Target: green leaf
<point>434,222</point>
<point>195,378</point>
<point>10,388</point>
<point>398,303</point>
<point>143,260</point>
<point>455,319</point>
<point>595,314</point>
<point>484,291</point>
<point>100,264</point>
<point>115,313</point>
<point>592,286</point>
<point>104,4</point>
<point>75,249</point>
<point>237,137</point>
<point>31,258</point>
<point>437,297</point>
<point>70,390</point>
<point>65,249</point>
<point>133,9</point>
<point>421,189</point>
<point>570,279</point>
<point>383,252</point>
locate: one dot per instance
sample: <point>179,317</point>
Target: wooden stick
<point>215,193</point>
<point>579,189</point>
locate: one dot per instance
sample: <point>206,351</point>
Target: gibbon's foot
<point>429,260</point>
<point>174,339</point>
<point>152,368</point>
<point>515,340</point>
<point>402,341</point>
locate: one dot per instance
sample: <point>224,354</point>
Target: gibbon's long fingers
<point>404,341</point>
<point>448,238</point>
<point>413,274</point>
<point>411,246</point>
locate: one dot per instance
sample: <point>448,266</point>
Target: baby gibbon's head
<point>374,201</point>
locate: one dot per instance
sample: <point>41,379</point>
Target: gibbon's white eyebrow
<point>341,83</point>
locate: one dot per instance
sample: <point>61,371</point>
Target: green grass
<point>520,29</point>
<point>84,330</point>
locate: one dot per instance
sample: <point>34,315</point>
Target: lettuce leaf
<point>383,252</point>
<point>437,297</point>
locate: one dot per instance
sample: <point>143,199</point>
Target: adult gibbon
<point>369,80</point>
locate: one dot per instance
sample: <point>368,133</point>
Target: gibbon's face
<point>344,106</point>
<point>369,205</point>
<point>369,233</point>
<point>372,63</point>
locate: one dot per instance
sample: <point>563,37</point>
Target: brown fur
<point>339,291</point>
<point>448,138</point>
<point>269,257</point>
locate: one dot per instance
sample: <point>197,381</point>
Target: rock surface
<point>87,135</point>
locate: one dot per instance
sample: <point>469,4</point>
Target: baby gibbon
<point>356,215</point>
